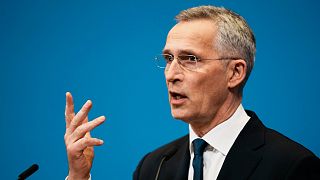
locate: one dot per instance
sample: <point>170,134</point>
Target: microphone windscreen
<point>28,171</point>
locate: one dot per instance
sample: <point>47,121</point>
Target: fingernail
<point>101,141</point>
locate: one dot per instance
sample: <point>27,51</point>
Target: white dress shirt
<point>219,139</point>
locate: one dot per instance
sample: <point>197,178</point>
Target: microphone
<point>165,156</point>
<point>28,172</point>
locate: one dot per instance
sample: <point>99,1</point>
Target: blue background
<point>103,51</point>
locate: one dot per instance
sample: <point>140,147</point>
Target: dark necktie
<point>198,146</point>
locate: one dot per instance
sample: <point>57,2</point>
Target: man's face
<point>195,96</point>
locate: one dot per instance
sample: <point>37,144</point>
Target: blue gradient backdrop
<point>103,51</point>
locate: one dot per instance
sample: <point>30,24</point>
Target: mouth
<point>177,98</point>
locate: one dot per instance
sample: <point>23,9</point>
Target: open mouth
<point>177,96</point>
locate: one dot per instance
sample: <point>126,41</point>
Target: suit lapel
<point>177,166</point>
<point>246,153</point>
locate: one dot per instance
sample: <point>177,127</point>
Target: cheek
<point>211,90</point>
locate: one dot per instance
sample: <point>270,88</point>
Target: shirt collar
<point>223,135</point>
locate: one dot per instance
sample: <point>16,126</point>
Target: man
<point>208,57</point>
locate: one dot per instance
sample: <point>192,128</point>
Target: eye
<point>193,58</point>
<point>190,58</point>
<point>168,57</point>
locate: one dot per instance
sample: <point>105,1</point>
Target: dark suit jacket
<point>258,153</point>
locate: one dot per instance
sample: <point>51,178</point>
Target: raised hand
<point>78,141</point>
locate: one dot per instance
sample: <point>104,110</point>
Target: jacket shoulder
<point>273,141</point>
<point>149,164</point>
<point>284,146</point>
<point>170,148</point>
<point>283,157</point>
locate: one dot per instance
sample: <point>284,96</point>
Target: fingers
<point>84,129</point>
<point>80,142</point>
<point>83,143</point>
<point>79,117</point>
<point>69,110</point>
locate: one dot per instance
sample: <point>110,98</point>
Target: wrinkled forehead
<point>194,35</point>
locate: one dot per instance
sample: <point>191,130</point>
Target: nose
<point>173,73</point>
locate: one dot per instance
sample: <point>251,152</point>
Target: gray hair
<point>234,37</point>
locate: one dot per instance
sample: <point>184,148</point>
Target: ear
<point>236,72</point>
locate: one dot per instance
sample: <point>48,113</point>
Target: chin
<point>181,115</point>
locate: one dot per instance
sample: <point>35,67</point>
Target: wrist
<point>72,176</point>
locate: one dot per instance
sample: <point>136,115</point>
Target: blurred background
<point>103,51</point>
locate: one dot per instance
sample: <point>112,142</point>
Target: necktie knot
<point>198,146</point>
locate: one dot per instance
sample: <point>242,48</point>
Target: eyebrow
<point>183,51</point>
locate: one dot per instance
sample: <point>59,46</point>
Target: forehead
<point>194,36</point>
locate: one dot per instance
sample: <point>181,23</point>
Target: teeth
<point>178,97</point>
